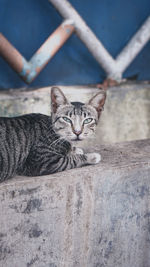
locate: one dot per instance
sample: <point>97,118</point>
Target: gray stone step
<point>88,217</point>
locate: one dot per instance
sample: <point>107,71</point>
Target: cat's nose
<point>77,132</point>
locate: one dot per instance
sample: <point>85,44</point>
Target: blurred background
<point>27,23</point>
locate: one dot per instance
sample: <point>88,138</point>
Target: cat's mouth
<point>76,139</point>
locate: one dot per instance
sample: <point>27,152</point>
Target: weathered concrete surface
<point>126,116</point>
<point>97,216</point>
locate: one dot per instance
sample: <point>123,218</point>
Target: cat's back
<point>22,125</point>
<point>27,118</point>
<point>18,135</point>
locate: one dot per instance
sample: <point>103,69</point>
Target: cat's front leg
<point>77,150</point>
<point>58,163</point>
<point>89,158</point>
<point>79,160</point>
<point>93,158</point>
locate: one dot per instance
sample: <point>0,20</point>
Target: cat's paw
<point>78,150</point>
<point>93,158</point>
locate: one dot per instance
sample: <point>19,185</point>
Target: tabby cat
<point>36,144</point>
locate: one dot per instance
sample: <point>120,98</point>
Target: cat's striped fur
<point>37,144</point>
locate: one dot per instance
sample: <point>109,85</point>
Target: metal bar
<point>49,48</point>
<point>88,38</point>
<point>134,46</point>
<point>10,54</point>
<point>29,70</point>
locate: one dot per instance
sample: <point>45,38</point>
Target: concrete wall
<point>90,217</point>
<point>126,115</point>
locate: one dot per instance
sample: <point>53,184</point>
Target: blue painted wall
<point>27,23</point>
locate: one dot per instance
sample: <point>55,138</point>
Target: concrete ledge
<point>90,217</point>
<point>126,115</point>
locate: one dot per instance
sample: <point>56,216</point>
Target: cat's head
<point>75,121</point>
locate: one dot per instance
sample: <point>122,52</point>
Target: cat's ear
<point>57,99</point>
<point>98,101</point>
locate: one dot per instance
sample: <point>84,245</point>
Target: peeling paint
<point>68,30</point>
<point>26,67</point>
<point>29,70</point>
<point>41,58</point>
<point>37,61</point>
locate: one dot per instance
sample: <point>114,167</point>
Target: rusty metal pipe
<point>48,50</point>
<point>28,70</point>
<point>10,54</point>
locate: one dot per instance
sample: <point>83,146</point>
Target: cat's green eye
<point>66,119</point>
<point>86,121</point>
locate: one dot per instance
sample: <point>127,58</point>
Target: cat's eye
<point>66,119</point>
<point>88,120</point>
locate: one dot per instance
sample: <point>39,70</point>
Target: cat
<point>37,144</point>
